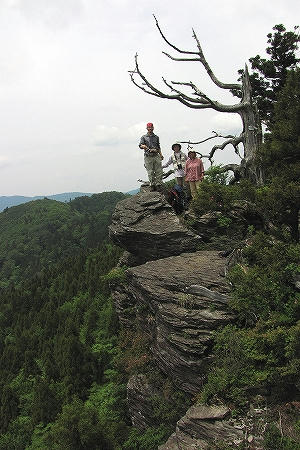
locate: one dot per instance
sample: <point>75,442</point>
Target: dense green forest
<point>64,362</point>
<point>58,329</point>
<point>36,234</point>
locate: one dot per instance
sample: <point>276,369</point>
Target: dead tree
<point>251,135</point>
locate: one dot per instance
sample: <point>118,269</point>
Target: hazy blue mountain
<point>14,200</point>
<point>134,191</point>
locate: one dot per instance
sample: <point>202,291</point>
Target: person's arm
<point>186,168</point>
<point>166,164</point>
<point>158,144</point>
<point>159,149</point>
<point>142,143</point>
<point>201,169</point>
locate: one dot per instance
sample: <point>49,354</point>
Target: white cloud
<point>226,123</point>
<point>4,161</point>
<point>106,135</point>
<point>54,14</point>
<point>137,130</point>
<point>111,135</point>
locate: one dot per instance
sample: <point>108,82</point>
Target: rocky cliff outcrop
<point>146,226</point>
<point>180,301</point>
<point>203,426</point>
<point>178,295</point>
<point>139,398</point>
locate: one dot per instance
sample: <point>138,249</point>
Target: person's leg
<point>197,183</point>
<point>148,163</point>
<point>193,188</point>
<point>158,171</point>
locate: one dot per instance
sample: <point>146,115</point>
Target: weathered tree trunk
<point>252,134</point>
<point>251,137</point>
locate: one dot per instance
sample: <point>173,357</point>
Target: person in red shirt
<point>194,172</point>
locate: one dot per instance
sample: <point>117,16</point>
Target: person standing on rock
<point>152,157</point>
<point>194,172</point>
<point>178,160</point>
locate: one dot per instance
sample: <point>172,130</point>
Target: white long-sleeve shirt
<point>180,159</point>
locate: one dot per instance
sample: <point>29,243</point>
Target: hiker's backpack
<point>176,198</point>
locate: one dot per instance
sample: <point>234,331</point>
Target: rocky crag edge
<point>179,295</point>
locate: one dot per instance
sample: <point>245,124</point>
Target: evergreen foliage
<point>260,352</point>
<point>269,75</point>
<point>42,232</point>
<point>280,154</point>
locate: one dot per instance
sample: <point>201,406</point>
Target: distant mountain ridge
<point>14,200</point>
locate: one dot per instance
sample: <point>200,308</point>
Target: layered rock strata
<point>203,426</point>
<point>178,295</point>
<point>179,301</point>
<point>139,399</point>
<point>146,226</point>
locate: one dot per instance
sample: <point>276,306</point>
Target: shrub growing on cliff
<point>148,439</point>
<point>257,360</point>
<point>264,289</point>
<point>279,202</point>
<point>262,352</point>
<point>215,196</point>
<point>215,175</point>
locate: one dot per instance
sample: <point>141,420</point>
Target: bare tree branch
<point>204,156</point>
<point>191,99</point>
<point>233,141</point>
<point>167,174</point>
<point>204,99</point>
<point>169,43</point>
<point>141,87</point>
<point>201,102</point>
<point>158,93</point>
<point>209,70</point>
<point>201,58</point>
<point>181,59</point>
<point>238,171</point>
<point>229,136</point>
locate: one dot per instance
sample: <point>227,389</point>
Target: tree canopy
<point>269,74</point>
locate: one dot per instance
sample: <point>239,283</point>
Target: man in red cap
<point>152,157</point>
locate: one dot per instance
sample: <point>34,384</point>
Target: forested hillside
<point>42,232</point>
<point>58,329</point>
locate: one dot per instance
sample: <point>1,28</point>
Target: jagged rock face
<point>146,225</point>
<point>139,398</point>
<point>179,302</point>
<point>201,427</point>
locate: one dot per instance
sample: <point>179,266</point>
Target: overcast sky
<point>70,118</point>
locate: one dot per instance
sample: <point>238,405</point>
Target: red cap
<point>149,124</point>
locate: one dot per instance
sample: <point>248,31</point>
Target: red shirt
<point>194,170</point>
